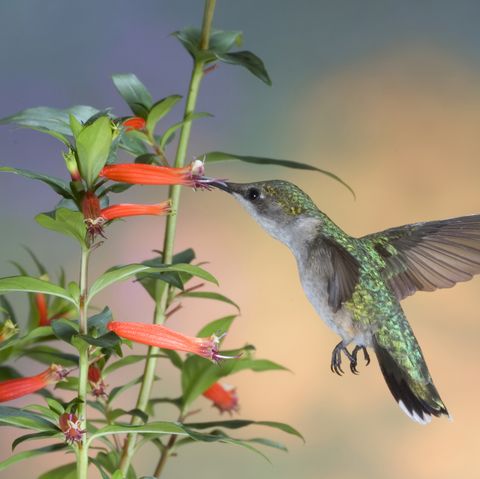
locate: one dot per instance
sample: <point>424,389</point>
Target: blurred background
<point>384,94</point>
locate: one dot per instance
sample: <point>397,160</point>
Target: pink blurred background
<point>385,95</point>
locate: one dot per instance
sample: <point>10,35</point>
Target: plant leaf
<point>48,355</point>
<point>24,419</point>
<point>32,285</point>
<point>209,295</point>
<point>65,221</point>
<point>248,60</point>
<point>163,427</point>
<point>216,156</point>
<point>67,471</point>
<point>64,329</point>
<point>58,185</point>
<point>221,325</point>
<point>52,119</point>
<point>159,110</point>
<point>107,341</point>
<point>134,92</point>
<point>93,147</point>
<point>33,436</point>
<point>27,454</point>
<point>114,275</point>
<point>199,374</point>
<point>239,423</point>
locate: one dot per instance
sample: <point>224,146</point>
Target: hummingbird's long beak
<point>223,185</point>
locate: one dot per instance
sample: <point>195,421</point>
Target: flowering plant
<point>81,348</point>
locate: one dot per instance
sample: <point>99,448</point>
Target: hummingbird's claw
<point>336,363</point>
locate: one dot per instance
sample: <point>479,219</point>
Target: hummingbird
<point>356,284</point>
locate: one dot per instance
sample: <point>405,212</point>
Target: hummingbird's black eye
<point>253,194</point>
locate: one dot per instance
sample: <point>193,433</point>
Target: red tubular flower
<point>18,387</point>
<point>223,398</point>
<point>41,302</point>
<point>123,210</point>
<point>71,427</point>
<point>163,337</point>
<point>142,174</point>
<point>134,123</point>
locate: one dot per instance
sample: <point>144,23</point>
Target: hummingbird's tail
<point>418,399</point>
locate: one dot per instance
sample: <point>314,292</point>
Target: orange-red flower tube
<point>125,209</point>
<point>224,399</point>
<point>139,173</point>
<point>163,337</point>
<point>18,387</point>
<point>41,302</point>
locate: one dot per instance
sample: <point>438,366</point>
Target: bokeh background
<point>384,94</point>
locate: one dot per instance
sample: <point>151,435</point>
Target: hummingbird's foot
<point>353,361</point>
<point>336,363</point>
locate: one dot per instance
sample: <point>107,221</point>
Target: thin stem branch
<point>83,363</point>
<point>165,455</point>
<point>162,289</point>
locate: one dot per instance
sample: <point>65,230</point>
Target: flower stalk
<point>162,290</point>
<point>83,365</point>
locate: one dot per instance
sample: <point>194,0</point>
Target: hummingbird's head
<point>278,206</point>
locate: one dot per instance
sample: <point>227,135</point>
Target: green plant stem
<point>162,290</point>
<point>82,451</point>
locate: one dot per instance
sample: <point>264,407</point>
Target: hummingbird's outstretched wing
<point>431,255</point>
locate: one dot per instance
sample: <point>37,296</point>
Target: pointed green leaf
<point>239,423</point>
<point>133,91</point>
<point>107,341</point>
<point>67,222</point>
<point>67,471</point>
<point>32,285</point>
<point>159,110</point>
<point>93,147</point>
<point>27,454</point>
<point>48,355</point>
<point>55,406</point>
<point>24,419</point>
<point>193,270</point>
<point>64,329</point>
<point>199,374</point>
<point>58,185</point>
<point>51,119</point>
<point>34,436</point>
<point>220,42</point>
<point>216,156</point>
<point>219,326</point>
<point>152,428</point>
<point>98,322</point>
<point>209,295</point>
<point>75,125</point>
<point>114,275</point>
<point>248,60</point>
